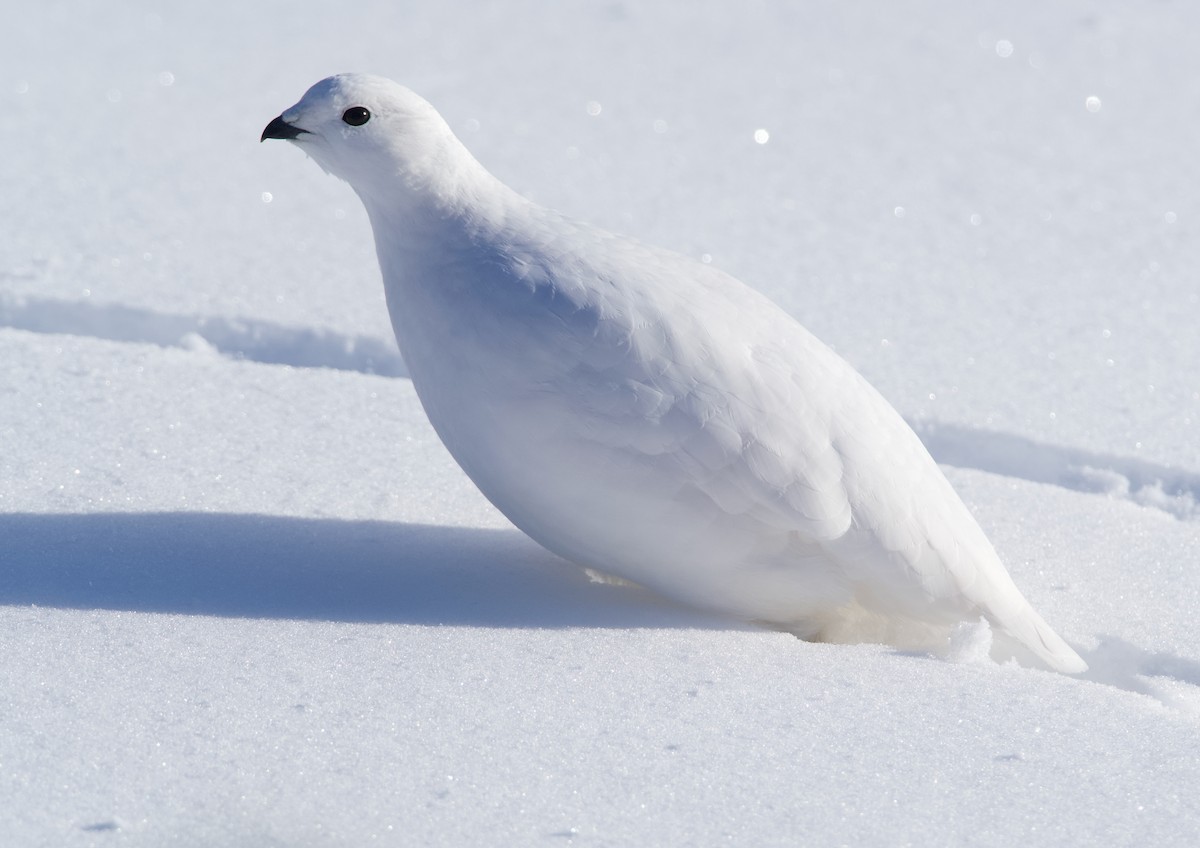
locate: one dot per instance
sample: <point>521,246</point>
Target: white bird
<point>646,415</point>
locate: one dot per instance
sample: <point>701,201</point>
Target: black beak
<point>279,128</point>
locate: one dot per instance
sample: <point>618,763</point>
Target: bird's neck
<point>437,196</point>
<point>430,232</point>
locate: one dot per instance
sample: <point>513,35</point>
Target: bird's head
<point>376,135</point>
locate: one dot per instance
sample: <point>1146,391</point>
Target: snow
<point>246,597</point>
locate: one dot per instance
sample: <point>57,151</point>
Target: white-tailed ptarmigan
<point>644,414</point>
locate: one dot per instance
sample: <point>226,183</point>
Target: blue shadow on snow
<point>260,566</point>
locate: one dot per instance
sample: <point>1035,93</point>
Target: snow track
<point>1171,490</point>
<point>258,341</point>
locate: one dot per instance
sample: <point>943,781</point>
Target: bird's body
<point>643,414</point>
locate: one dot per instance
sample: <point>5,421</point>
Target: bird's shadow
<point>261,566</point>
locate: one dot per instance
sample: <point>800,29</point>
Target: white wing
<point>765,421</point>
<point>653,417</point>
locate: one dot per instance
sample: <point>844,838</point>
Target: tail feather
<point>1032,631</point>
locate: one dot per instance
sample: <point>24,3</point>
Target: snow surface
<point>247,598</point>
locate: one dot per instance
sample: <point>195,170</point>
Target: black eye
<point>356,116</point>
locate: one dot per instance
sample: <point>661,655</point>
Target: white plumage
<point>644,414</point>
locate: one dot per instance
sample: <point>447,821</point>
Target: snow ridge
<point>237,338</point>
<point>1171,490</point>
